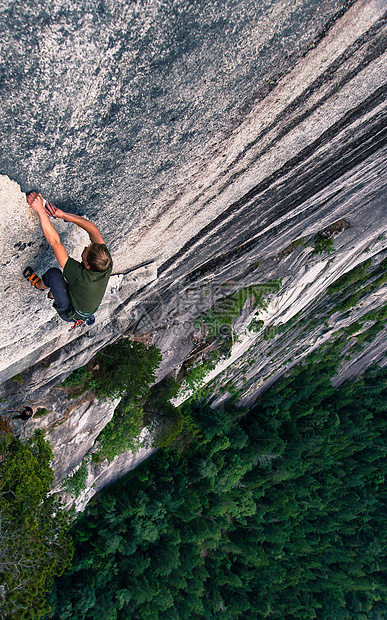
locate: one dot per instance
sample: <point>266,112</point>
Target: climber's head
<point>96,257</point>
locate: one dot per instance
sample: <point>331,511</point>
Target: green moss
<point>18,378</point>
<point>40,412</point>
<point>323,245</point>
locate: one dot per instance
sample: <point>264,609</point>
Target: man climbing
<point>25,413</point>
<point>78,291</point>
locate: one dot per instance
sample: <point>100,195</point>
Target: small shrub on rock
<point>323,244</point>
<point>75,482</point>
<point>125,366</point>
<point>124,369</point>
<point>121,367</point>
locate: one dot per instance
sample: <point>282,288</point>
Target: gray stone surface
<point>104,102</point>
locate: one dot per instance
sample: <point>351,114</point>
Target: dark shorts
<point>53,278</point>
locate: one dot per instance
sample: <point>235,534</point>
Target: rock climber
<point>25,413</point>
<point>78,291</point>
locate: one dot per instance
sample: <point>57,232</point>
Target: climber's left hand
<point>35,201</point>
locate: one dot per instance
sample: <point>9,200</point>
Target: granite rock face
<point>203,139</point>
<point>104,102</point>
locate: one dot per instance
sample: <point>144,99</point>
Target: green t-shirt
<point>86,287</point>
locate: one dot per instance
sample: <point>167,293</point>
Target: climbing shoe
<point>31,276</point>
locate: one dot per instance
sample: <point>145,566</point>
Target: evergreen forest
<point>275,512</point>
<point>35,544</point>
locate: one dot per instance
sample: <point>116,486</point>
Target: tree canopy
<point>34,541</point>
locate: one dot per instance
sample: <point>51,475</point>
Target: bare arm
<point>89,227</point>
<point>36,203</point>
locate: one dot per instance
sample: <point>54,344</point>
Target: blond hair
<point>98,257</point>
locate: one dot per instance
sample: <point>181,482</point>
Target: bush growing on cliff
<point>124,369</point>
<point>357,274</point>
<point>152,410</point>
<point>34,541</point>
<point>75,482</point>
<point>123,366</point>
<point>323,244</point>
<point>256,325</point>
<point>123,431</point>
<point>79,381</point>
<point>164,419</point>
<point>126,366</point>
